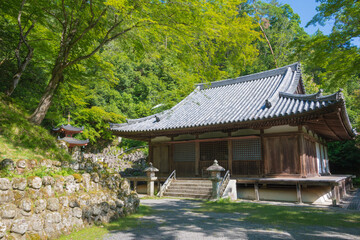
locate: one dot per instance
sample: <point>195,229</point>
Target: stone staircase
<point>189,188</point>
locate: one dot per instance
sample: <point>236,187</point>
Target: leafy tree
<point>279,26</point>
<point>80,29</point>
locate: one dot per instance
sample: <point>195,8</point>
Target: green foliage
<point>344,157</point>
<point>281,26</point>
<point>38,172</point>
<point>96,121</point>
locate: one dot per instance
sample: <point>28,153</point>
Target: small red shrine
<point>66,133</point>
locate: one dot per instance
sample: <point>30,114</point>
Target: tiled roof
<point>73,140</point>
<point>264,95</point>
<point>69,127</point>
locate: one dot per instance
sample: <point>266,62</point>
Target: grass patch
<point>94,232</point>
<point>125,223</point>
<point>20,139</point>
<point>284,215</point>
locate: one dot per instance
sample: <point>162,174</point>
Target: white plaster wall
<point>281,129</point>
<point>161,139</point>
<point>184,137</point>
<point>244,132</point>
<point>213,135</point>
<point>315,195</point>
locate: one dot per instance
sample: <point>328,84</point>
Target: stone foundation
<point>42,208</point>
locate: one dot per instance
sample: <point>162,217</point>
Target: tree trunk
<point>45,102</point>
<point>21,69</point>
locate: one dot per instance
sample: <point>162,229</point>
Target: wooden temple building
<point>263,128</point>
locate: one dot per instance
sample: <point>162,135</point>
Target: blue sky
<point>306,9</point>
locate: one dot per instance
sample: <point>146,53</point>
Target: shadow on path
<point>176,219</point>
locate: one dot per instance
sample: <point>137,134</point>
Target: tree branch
<point>105,40</point>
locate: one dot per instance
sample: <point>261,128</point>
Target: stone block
<point>21,164</point>
<point>52,217</point>
<point>96,210</point>
<point>6,196</point>
<point>35,182</point>
<point>36,223</point>
<point>84,199</point>
<point>19,184</point>
<point>56,163</point>
<point>25,204</point>
<point>59,185</point>
<point>47,191</point>
<point>64,201</point>
<point>5,184</point>
<point>95,177</point>
<point>77,212</point>
<point>19,226</point>
<point>8,211</point>
<point>40,205</point>
<point>47,180</point>
<point>53,204</point>
<point>73,202</point>
<point>7,164</point>
<point>2,230</point>
<point>70,184</point>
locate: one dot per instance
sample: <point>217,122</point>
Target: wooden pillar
<point>256,188</point>
<point>230,155</point>
<point>337,194</point>
<point>302,157</point>
<point>263,149</point>
<point>298,193</point>
<point>333,195</point>
<point>150,158</point>
<point>197,157</point>
<point>171,158</point>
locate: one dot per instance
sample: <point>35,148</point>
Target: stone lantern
<point>150,172</point>
<point>215,171</point>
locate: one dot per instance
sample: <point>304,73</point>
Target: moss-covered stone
<point>77,177</point>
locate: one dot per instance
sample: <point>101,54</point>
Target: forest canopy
<point>105,61</point>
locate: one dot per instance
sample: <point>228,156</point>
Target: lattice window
<point>209,151</point>
<point>184,152</point>
<point>247,149</point>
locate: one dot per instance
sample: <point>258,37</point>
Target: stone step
<point>192,181</point>
<point>188,192</point>
<point>191,184</point>
<point>180,188</point>
<point>188,195</point>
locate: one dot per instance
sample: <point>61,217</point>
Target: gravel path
<point>174,219</point>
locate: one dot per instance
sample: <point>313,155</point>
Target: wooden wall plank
<point>230,156</point>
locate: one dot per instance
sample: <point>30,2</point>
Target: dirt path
<point>174,219</point>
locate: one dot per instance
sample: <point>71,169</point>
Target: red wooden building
<point>66,133</point>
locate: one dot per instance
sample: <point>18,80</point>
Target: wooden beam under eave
<point>331,129</point>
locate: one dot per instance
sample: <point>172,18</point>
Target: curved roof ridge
<point>69,127</point>
<point>314,97</point>
<point>255,76</point>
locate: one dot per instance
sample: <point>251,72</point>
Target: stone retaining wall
<point>42,208</point>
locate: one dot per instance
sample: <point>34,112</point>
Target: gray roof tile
<point>236,100</point>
